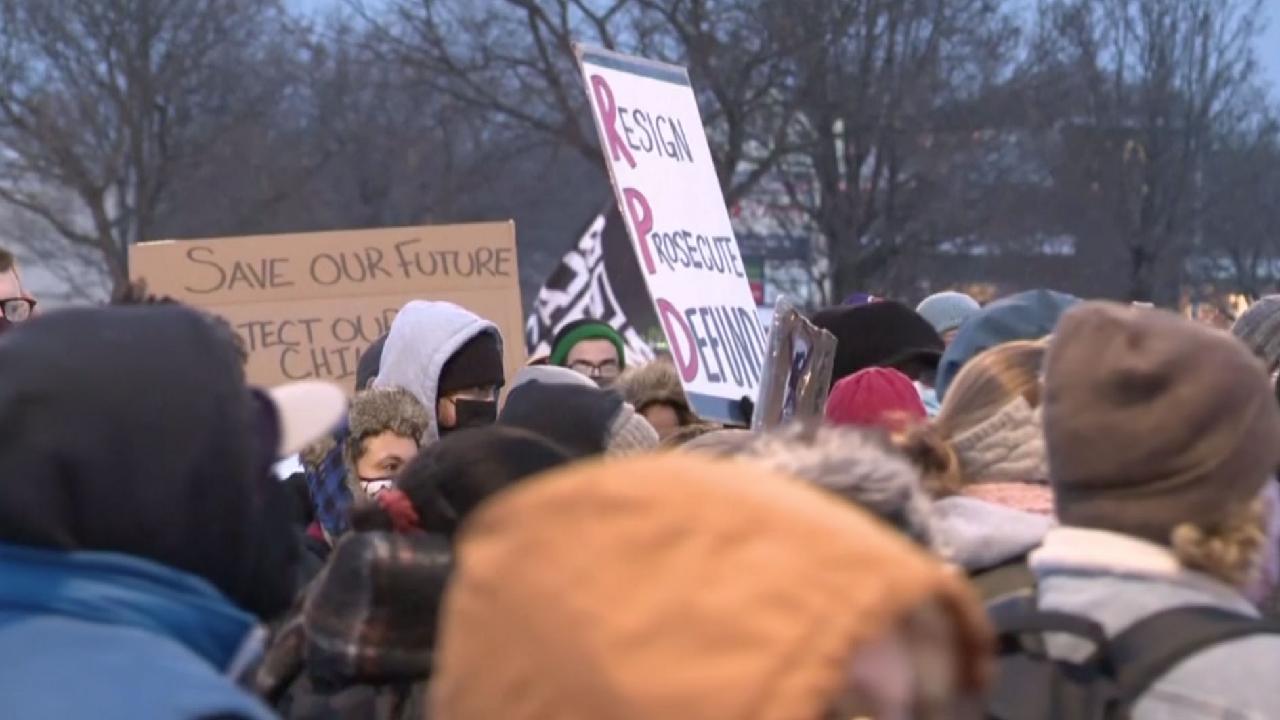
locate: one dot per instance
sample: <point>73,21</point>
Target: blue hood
<point>121,590</point>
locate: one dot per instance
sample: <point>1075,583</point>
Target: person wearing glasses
<point>592,348</point>
<point>16,306</point>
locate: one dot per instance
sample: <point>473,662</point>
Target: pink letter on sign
<point>642,221</point>
<point>609,120</point>
<point>686,361</point>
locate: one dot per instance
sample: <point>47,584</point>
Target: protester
<point>1162,447</point>
<point>856,466</point>
<point>448,480</point>
<point>16,305</point>
<point>947,311</point>
<point>875,398</point>
<point>141,531</point>
<point>386,429</point>
<point>590,347</point>
<point>984,459</point>
<point>551,375</point>
<point>681,587</point>
<point>654,390</point>
<point>451,360</point>
<point>584,421</point>
<point>1031,315</point>
<point>361,649</point>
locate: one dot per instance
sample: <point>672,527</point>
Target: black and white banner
<point>600,279</point>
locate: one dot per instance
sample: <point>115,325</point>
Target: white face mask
<point>373,487</point>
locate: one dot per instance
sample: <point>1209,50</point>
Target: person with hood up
<point>983,459</point>
<point>697,589</point>
<point>875,398</point>
<point>947,311</point>
<point>857,466</point>
<point>1162,448</point>
<point>451,361</point>
<point>654,390</point>
<point>142,535</point>
<point>585,421</point>
<point>1031,315</point>
<point>590,347</point>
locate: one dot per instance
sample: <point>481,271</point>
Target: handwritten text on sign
<point>308,305</point>
<point>666,184</point>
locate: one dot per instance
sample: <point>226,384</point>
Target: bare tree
<point>1154,80</point>
<point>875,80</point>
<point>514,60</point>
<point>105,102</point>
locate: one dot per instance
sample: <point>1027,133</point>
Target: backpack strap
<point>1151,648</point>
<point>1020,625</point>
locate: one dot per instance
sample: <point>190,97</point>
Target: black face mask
<point>472,414</point>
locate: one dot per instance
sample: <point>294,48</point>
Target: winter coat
<point>989,541</point>
<point>359,646</point>
<point>1117,580</point>
<point>113,637</point>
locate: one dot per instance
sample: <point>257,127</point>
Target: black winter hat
<point>370,361</point>
<point>478,363</point>
<point>577,418</point>
<point>881,334</point>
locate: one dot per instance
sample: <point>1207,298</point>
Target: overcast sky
<point>1269,46</point>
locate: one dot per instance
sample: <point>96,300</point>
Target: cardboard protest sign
<point>307,305</point>
<point>797,369</point>
<point>666,185</point>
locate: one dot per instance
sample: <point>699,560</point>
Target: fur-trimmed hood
<point>656,382</point>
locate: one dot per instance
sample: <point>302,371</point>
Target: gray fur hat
<point>859,466</point>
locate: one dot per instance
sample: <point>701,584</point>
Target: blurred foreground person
<point>1162,446</point>
<point>16,305</point>
<point>984,462</point>
<point>141,532</point>
<point>654,390</point>
<point>682,587</point>
<point>857,466</point>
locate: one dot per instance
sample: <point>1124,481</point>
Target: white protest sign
<point>666,185</point>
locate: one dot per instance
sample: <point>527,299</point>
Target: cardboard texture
<point>308,304</point>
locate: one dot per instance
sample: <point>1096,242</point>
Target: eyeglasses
<point>17,309</point>
<point>606,369</point>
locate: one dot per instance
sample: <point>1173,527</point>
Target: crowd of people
<point>1040,507</point>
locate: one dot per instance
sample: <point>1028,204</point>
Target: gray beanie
<point>1259,328</point>
<point>947,311</point>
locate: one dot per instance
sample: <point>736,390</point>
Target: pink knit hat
<point>875,397</point>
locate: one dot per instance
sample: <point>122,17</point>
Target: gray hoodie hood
<point>423,337</point>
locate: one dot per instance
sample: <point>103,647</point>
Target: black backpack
<point>1033,686</point>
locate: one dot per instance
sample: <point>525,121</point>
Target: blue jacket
<point>110,636</point>
<point>1117,581</point>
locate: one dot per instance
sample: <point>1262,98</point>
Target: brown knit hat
<point>1152,420</point>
